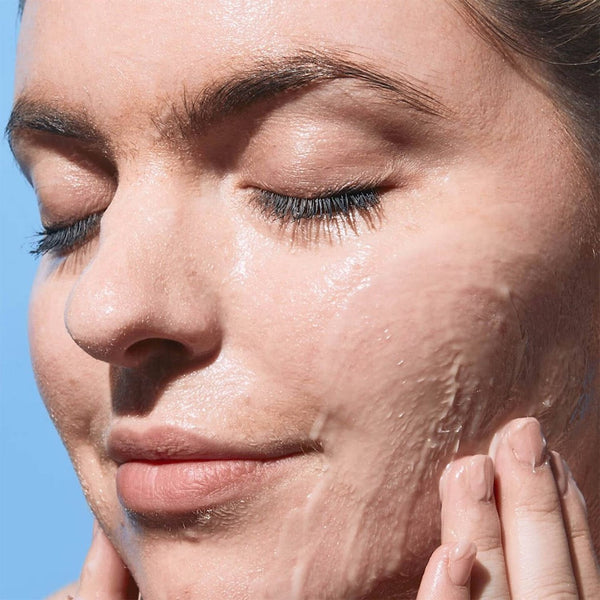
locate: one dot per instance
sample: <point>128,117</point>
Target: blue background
<point>45,524</point>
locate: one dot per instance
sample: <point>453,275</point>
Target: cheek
<point>422,338</point>
<point>405,358</point>
<point>71,383</point>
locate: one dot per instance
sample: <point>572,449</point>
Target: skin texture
<point>389,345</point>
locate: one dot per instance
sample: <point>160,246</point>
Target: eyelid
<point>345,202</point>
<point>65,237</point>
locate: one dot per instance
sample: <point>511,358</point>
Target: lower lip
<point>185,486</point>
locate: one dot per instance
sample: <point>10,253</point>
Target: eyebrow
<point>266,78</point>
<point>30,114</point>
<point>269,78</point>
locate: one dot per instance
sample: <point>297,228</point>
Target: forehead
<point>137,54</point>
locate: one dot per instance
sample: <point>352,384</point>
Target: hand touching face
<point>297,257</point>
<point>513,526</point>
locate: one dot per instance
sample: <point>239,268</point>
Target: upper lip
<point>169,443</point>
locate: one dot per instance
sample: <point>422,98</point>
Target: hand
<point>103,574</point>
<point>513,527</point>
<point>518,531</point>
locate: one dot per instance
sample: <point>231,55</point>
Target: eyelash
<point>342,203</point>
<point>65,238</point>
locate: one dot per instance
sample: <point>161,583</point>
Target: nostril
<point>111,323</point>
<point>167,353</point>
<point>145,350</point>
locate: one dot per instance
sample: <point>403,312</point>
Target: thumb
<point>447,574</point>
<point>104,575</point>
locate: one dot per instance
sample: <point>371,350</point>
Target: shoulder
<point>65,593</point>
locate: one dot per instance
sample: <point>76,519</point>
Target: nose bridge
<point>152,276</point>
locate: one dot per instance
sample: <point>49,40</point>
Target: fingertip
<point>476,473</point>
<point>572,486</point>
<point>559,468</point>
<point>103,574</point>
<point>527,443</point>
<point>448,572</point>
<point>524,439</point>
<point>460,562</point>
<point>435,578</point>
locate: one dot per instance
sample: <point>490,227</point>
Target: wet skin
<point>375,346</point>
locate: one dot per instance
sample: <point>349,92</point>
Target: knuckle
<point>542,508</point>
<point>562,588</point>
<point>487,543</point>
<point>579,534</point>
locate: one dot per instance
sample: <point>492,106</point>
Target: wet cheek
<point>399,358</point>
<point>397,341</point>
<point>69,380</point>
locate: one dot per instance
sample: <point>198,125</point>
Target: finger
<point>585,564</point>
<point>469,512</point>
<point>536,550</point>
<point>103,574</point>
<point>448,572</point>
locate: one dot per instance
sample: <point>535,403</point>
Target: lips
<point>169,470</point>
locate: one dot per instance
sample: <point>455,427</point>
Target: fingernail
<point>527,443</point>
<point>460,562</point>
<point>560,472</point>
<point>95,528</point>
<point>481,478</point>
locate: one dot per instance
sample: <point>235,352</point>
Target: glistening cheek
<point>72,384</point>
<point>413,360</point>
<point>393,334</point>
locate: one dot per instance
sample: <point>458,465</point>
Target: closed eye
<point>65,238</point>
<point>345,203</point>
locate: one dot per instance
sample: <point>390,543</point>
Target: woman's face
<point>259,405</point>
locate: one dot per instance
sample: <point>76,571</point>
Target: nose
<point>150,287</point>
